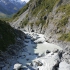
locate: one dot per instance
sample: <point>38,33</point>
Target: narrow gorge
<point>41,31</point>
<point>34,53</point>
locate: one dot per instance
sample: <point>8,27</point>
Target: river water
<point>35,47</point>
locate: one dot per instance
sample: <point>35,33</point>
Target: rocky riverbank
<point>34,53</point>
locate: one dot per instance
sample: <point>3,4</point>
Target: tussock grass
<point>63,22</point>
<point>65,37</point>
<point>42,9</point>
<point>24,23</point>
<point>44,5</point>
<point>65,9</point>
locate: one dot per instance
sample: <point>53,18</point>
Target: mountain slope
<point>50,17</point>
<point>9,7</point>
<point>10,38</point>
<point>7,35</point>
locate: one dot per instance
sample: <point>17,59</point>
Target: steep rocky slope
<point>50,17</point>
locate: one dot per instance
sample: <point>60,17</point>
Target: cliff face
<point>50,17</point>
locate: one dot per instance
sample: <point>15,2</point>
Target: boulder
<point>64,66</point>
<point>55,50</point>
<point>17,66</point>
<point>47,62</point>
<point>47,51</point>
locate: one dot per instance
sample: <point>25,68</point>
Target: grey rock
<point>17,66</point>
<point>64,66</point>
<point>55,50</point>
<point>47,51</point>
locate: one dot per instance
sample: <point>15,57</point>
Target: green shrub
<point>7,35</point>
<point>65,37</point>
<point>64,8</point>
<point>63,22</point>
<point>37,22</point>
<point>44,5</point>
<point>24,23</point>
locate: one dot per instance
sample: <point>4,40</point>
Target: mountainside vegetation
<point>7,35</point>
<point>54,13</point>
